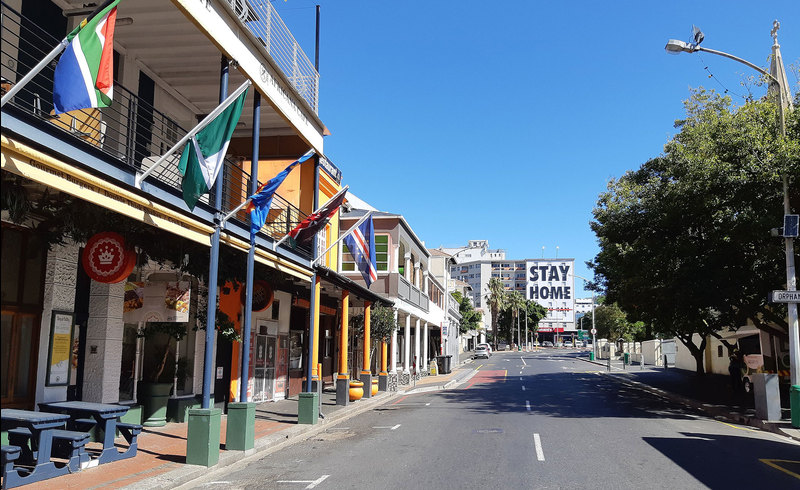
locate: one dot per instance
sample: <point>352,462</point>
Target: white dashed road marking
<point>538,442</point>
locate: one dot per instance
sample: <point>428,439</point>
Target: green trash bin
<point>626,358</point>
<point>591,356</point>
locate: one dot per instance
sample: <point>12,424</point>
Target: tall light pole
<point>594,330</point>
<point>777,83</point>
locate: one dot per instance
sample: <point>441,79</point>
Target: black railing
<point>131,132</point>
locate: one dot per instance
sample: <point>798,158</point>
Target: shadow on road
<point>722,461</point>
<point>567,394</point>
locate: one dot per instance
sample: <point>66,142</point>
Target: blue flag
<point>361,244</point>
<point>259,204</point>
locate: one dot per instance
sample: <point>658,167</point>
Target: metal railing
<point>131,132</point>
<point>261,18</point>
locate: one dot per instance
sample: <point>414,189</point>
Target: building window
<point>381,256</point>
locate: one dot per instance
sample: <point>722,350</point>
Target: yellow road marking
<point>505,374</point>
<point>771,462</point>
<point>736,427</point>
<point>479,366</point>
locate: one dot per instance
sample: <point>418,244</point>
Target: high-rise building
<point>548,281</point>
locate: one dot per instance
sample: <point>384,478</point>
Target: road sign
<point>594,331</point>
<point>786,296</point>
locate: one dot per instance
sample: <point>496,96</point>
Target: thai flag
<point>84,76</point>
<point>361,244</point>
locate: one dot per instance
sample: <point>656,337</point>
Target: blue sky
<point>505,120</point>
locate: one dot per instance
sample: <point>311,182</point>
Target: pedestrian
<point>735,370</point>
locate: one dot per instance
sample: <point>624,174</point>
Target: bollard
<point>608,364</point>
<point>641,362</point>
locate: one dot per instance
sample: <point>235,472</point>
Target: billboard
<point>551,283</point>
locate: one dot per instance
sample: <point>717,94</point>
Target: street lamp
<point>777,79</point>
<point>594,329</point>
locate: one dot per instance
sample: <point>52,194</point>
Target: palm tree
<point>496,300</point>
<point>515,301</point>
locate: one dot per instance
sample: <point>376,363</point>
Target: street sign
<point>786,296</point>
<point>594,331</point>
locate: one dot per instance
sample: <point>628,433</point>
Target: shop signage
<point>58,366</point>
<point>262,295</point>
<point>107,259</point>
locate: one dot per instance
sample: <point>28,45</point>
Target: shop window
<point>295,350</point>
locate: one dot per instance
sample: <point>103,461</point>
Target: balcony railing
<point>131,133</point>
<point>261,18</point>
<point>411,293</point>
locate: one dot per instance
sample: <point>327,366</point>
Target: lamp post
<point>594,340</point>
<point>777,83</point>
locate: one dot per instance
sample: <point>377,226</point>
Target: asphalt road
<point>527,420</point>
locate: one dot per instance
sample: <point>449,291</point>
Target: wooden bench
<point>67,444</point>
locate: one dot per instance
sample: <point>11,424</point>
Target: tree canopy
<point>470,317</point>
<point>685,242</point>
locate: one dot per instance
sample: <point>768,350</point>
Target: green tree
<point>684,240</point>
<point>470,317</point>
<point>612,323</point>
<point>514,303</point>
<point>496,300</point>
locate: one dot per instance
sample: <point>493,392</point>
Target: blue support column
<point>251,255</point>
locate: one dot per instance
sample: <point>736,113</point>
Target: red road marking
<point>487,377</point>
<point>401,399</point>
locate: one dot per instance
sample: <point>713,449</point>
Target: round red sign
<point>105,258</point>
<point>262,295</point>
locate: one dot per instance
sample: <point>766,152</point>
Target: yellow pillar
<point>366,365</point>
<point>315,374</point>
<point>343,340</point>
<point>383,359</point>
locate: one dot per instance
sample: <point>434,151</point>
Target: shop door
<point>260,373</point>
<point>23,263</point>
<point>269,375</point>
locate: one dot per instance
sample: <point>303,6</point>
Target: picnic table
<point>82,415</point>
<point>41,426</point>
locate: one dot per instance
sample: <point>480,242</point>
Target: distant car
<point>502,346</point>
<point>488,347</point>
<point>547,343</point>
<point>568,344</point>
<point>481,352</point>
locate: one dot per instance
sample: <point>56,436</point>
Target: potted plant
<point>158,369</point>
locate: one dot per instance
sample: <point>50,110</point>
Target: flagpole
<point>253,192</point>
<point>343,236</point>
<point>216,112</point>
<point>47,59</point>
<point>286,236</point>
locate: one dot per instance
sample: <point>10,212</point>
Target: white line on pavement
<point>528,405</point>
<point>427,404</point>
<point>523,387</point>
<point>318,481</point>
<point>396,426</point>
<point>538,442</point>
<point>523,361</point>
<point>312,483</point>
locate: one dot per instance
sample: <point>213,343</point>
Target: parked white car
<point>488,347</point>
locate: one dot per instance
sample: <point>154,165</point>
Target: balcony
<point>116,142</point>
<point>411,293</point>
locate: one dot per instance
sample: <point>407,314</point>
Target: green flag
<point>204,155</point>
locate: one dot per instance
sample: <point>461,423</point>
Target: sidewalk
<point>710,393</point>
<point>160,460</point>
